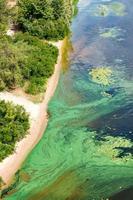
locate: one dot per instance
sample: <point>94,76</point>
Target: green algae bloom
<point>102,10</point>
<point>101,75</point>
<point>112,145</point>
<point>114,8</point>
<point>118,8</point>
<point>110,32</point>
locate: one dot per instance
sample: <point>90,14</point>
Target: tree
<point>25,59</point>
<point>3,16</point>
<point>49,19</point>
<point>14,125</point>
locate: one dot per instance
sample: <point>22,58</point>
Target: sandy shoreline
<point>38,118</point>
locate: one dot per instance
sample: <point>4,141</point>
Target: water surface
<point>86,151</point>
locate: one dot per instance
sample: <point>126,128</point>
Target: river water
<point>86,151</point>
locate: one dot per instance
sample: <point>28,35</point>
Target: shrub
<point>45,19</point>
<point>14,125</point>
<point>24,59</point>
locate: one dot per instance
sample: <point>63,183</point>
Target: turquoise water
<point>86,151</point>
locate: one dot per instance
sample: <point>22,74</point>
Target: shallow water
<point>86,152</point>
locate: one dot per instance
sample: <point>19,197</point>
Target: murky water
<point>86,152</point>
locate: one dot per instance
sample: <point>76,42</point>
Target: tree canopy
<point>4,12</point>
<point>49,19</point>
<point>14,125</point>
<point>26,59</point>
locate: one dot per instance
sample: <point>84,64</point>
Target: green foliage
<point>3,16</point>
<point>26,59</point>
<point>9,69</point>
<point>75,7</point>
<point>1,182</point>
<point>36,85</point>
<point>49,19</point>
<point>14,124</point>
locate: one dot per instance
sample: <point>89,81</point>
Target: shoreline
<point>39,120</point>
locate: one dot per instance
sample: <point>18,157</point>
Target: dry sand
<point>11,3</point>
<point>38,119</point>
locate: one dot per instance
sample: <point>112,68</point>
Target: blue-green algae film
<point>86,152</point>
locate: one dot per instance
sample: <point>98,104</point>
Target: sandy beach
<point>38,119</point>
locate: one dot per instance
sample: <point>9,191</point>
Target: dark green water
<point>86,152</point>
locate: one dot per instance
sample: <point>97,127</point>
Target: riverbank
<point>38,118</point>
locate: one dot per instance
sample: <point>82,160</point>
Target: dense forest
<point>26,60</point>
<point>14,125</point>
<point>49,19</point>
<point>3,16</point>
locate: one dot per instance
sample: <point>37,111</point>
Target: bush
<point>14,124</point>
<point>24,59</point>
<point>3,16</point>
<point>36,86</point>
<point>45,19</point>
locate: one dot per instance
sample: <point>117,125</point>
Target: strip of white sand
<point>38,118</point>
